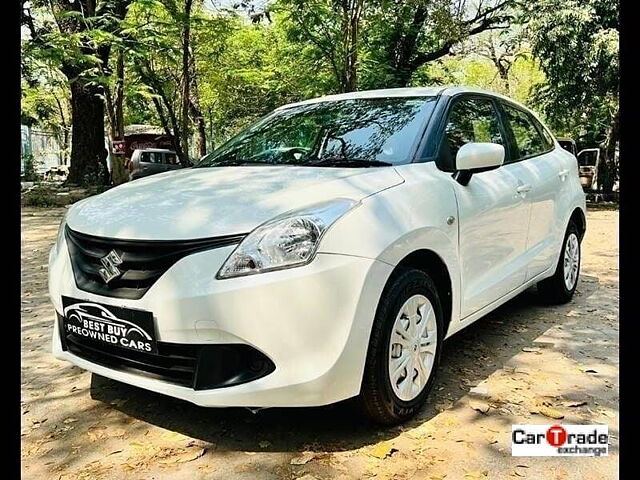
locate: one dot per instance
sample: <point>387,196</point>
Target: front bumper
<point>313,323</point>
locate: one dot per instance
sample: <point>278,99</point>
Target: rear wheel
<point>562,285</point>
<point>404,349</point>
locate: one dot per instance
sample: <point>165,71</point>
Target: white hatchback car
<point>324,253</point>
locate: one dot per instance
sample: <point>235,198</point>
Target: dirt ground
<point>523,363</point>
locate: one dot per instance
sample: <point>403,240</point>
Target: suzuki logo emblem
<point>110,270</point>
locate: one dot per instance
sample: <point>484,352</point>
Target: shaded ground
<point>518,364</point>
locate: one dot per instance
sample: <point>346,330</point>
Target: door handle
<point>563,173</point>
<point>523,189</point>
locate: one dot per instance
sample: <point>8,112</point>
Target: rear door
<point>492,216</point>
<point>171,161</point>
<point>543,169</point>
<point>154,163</point>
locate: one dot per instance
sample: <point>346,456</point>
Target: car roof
<point>380,93</point>
<point>445,90</point>
<point>161,150</point>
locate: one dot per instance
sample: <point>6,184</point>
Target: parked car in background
<point>152,160</point>
<point>569,144</point>
<point>325,252</point>
<point>588,167</point>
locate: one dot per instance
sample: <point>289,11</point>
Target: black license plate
<point>115,326</point>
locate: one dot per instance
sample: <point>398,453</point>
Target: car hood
<point>209,202</point>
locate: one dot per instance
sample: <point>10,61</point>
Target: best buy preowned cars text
<point>323,253</point>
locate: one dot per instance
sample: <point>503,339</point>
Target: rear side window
<point>528,140</point>
<point>470,120</point>
<point>151,157</point>
<point>171,159</point>
<point>546,136</point>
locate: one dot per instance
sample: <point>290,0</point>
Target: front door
<point>493,213</point>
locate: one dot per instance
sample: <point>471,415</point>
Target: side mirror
<point>475,158</point>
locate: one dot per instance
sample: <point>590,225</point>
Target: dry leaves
<point>480,407</point>
<point>184,456</point>
<point>535,350</point>
<point>551,413</point>
<point>383,450</point>
<point>477,474</point>
<point>303,459</point>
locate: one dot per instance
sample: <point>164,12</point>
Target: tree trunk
<point>186,77</point>
<point>607,170</point>
<point>88,153</point>
<point>119,173</point>
<point>351,13</point>
<point>196,112</point>
<point>65,132</point>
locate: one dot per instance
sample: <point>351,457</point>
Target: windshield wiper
<point>234,163</point>
<point>347,162</point>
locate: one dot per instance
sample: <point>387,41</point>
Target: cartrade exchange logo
<point>559,440</point>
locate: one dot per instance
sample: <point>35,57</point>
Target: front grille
<point>196,366</point>
<point>143,261</point>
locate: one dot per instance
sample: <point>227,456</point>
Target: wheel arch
<point>433,265</point>
<point>579,218</point>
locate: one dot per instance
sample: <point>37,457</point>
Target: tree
<point>46,103</point>
<point>163,44</point>
<point>77,36</point>
<point>404,36</point>
<point>503,50</point>
<point>333,28</point>
<point>576,43</point>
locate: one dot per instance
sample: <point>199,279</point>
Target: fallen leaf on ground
<point>383,450</point>
<point>531,349</point>
<point>303,459</point>
<point>441,407</point>
<point>96,433</point>
<point>551,413</point>
<point>180,456</point>
<point>477,474</point>
<point>480,407</point>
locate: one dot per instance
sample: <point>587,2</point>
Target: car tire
<point>380,400</point>
<point>560,287</point>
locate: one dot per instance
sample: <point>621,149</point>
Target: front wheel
<point>562,285</point>
<point>404,349</point>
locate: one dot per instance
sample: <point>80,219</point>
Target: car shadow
<point>468,357</point>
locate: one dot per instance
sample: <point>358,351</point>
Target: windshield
<point>357,132</point>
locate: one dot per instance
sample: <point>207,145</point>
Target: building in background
<point>43,146</point>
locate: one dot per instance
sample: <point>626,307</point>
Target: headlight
<point>289,240</point>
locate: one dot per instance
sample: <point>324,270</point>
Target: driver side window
<point>470,120</point>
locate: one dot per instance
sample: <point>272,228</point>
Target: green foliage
<point>477,71</point>
<point>576,43</point>
<point>559,56</point>
<point>45,194</point>
<point>30,173</point>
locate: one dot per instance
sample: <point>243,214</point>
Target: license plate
<point>115,326</point>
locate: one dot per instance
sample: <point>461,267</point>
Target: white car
<point>324,253</point>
